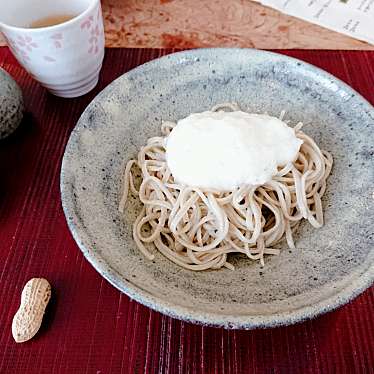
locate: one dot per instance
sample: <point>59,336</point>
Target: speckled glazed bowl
<point>330,266</point>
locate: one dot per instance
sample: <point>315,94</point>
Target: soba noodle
<point>197,228</point>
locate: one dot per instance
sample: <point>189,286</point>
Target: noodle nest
<point>198,228</point>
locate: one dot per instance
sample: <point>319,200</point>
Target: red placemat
<point>90,327</point>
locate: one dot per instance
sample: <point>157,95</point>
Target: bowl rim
<point>230,321</point>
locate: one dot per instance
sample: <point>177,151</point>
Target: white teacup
<point>66,58</point>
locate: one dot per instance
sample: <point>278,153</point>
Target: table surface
<point>90,327</point>
<point>213,23</point>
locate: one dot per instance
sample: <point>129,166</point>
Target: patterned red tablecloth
<point>90,327</point>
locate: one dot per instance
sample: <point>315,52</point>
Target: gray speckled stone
<point>330,265</point>
<point>11,104</point>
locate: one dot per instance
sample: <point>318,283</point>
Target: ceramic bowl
<point>330,266</point>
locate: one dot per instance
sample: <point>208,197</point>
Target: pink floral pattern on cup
<point>87,23</point>
<point>94,40</point>
<point>49,59</point>
<point>57,40</point>
<point>22,46</point>
<point>20,53</point>
<point>96,33</point>
<point>26,42</point>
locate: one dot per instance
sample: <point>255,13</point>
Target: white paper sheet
<point>352,17</point>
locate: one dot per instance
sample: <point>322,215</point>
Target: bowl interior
<point>329,266</point>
